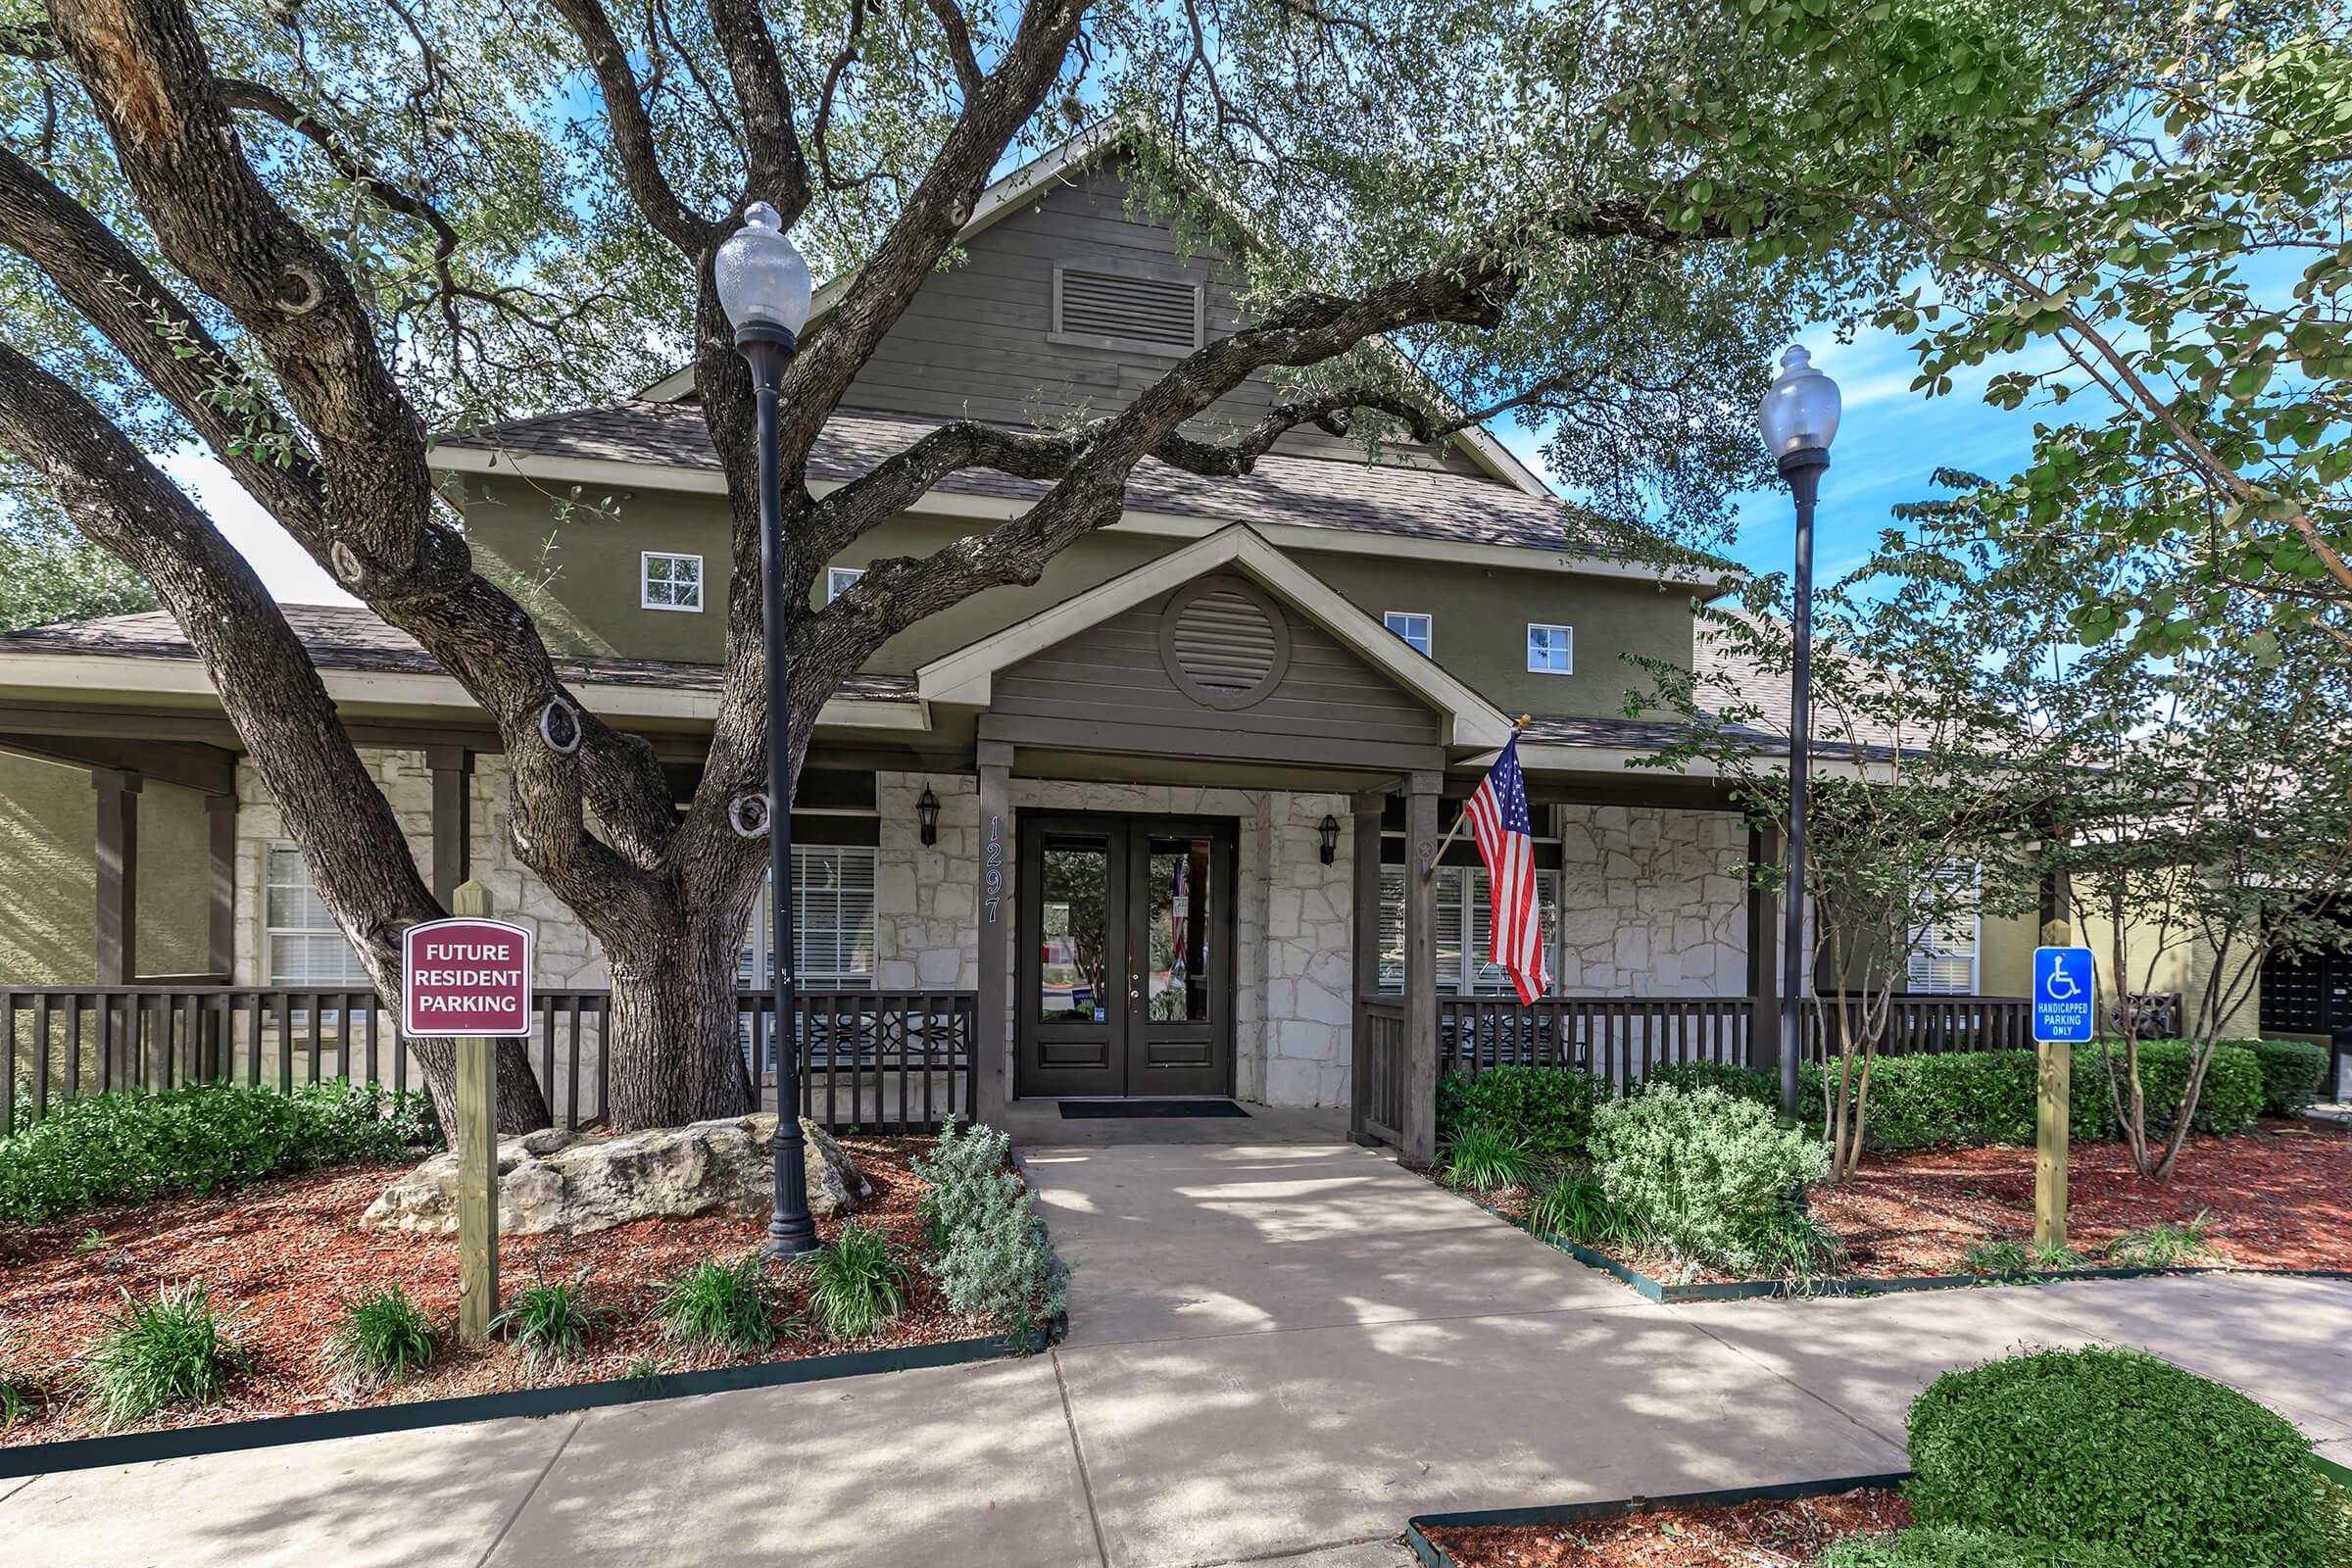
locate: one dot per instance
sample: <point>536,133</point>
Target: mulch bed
<point>1744,1536</point>
<point>2277,1198</point>
<point>288,1251</point>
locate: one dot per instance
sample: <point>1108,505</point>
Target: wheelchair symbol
<point>2061,986</point>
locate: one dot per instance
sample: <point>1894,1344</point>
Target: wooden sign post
<point>2052,1113</point>
<point>469,978</point>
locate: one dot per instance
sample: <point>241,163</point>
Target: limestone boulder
<point>555,1181</point>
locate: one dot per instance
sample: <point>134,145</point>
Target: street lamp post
<point>1798,420</point>
<point>763,286</point>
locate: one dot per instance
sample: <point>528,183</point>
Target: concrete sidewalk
<point>1282,1347</point>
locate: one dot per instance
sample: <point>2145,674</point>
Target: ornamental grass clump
<point>857,1286</point>
<point>725,1304</point>
<point>1577,1208</point>
<point>172,1351</point>
<point>2114,1451</point>
<point>989,1253</point>
<point>1484,1159</point>
<point>2164,1245</point>
<point>382,1339</point>
<point>550,1322</point>
<point>1703,1169</point>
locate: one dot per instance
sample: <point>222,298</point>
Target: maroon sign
<point>465,977</point>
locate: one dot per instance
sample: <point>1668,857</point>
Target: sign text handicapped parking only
<point>468,976</point>
<point>2062,995</point>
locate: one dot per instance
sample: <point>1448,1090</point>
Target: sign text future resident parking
<point>2062,995</point>
<point>466,976</point>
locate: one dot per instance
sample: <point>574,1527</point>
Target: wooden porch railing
<point>1380,1058</point>
<point>895,1061</point>
<point>1927,1026</point>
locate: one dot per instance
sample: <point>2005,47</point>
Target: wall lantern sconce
<point>926,811</point>
<point>1330,829</point>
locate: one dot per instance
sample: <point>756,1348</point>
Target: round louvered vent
<point>1225,644</point>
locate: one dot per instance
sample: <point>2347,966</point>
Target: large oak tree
<point>303,237</point>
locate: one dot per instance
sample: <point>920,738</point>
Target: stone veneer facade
<point>1652,902</point>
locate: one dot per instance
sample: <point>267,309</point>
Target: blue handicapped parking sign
<point>2062,995</point>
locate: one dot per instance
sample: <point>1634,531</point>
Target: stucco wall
<point>1652,902</point>
<point>49,885</point>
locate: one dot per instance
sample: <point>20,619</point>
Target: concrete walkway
<point>1282,1347</point>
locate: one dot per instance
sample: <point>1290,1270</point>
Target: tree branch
<point>777,172</point>
<point>633,133</point>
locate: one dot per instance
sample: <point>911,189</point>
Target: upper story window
<point>670,581</point>
<point>1413,629</point>
<point>838,580</point>
<point>1551,650</point>
<point>1128,305</point>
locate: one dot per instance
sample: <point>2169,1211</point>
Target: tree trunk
<point>521,1106</point>
<point>673,1038</point>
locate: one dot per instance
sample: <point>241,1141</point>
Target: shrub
<point>549,1321</point>
<point>1787,1243</point>
<point>1989,1097</point>
<point>1577,1208</point>
<point>155,1355</point>
<point>133,1146</point>
<point>1740,1083</point>
<point>1547,1109</point>
<point>1485,1159</point>
<point>1700,1169</point>
<point>726,1305</point>
<point>2162,1245</point>
<point>1947,1547</point>
<point>2114,1448</point>
<point>857,1286</point>
<point>989,1253</point>
<point>382,1339</point>
<point>2293,1073</point>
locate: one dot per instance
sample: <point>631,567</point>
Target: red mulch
<point>1737,1536</point>
<point>2279,1197</point>
<point>287,1251</point>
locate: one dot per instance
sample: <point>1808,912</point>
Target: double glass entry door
<point>1126,976</point>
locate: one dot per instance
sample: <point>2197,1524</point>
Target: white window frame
<point>645,580</point>
<point>1567,633</point>
<point>840,579</point>
<point>1454,900</point>
<point>354,978</point>
<point>1427,645</point>
<point>1926,950</point>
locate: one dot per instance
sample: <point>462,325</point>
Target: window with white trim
<point>1944,952</point>
<point>832,921</point>
<point>1462,912</point>
<point>668,581</point>
<point>1413,627</point>
<point>839,579</point>
<point>1551,650</point>
<point>300,943</point>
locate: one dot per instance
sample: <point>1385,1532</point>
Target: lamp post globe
<point>763,285</point>
<point>1798,420</point>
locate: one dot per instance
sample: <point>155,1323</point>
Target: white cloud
<point>291,576</point>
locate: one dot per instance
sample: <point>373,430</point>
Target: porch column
<point>220,855</point>
<point>1365,813</point>
<point>453,818</point>
<point>994,916</point>
<point>116,946</point>
<point>1420,970</point>
<point>2057,908</point>
<point>1764,955</point>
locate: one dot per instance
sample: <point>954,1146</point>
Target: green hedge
<point>1987,1097</point>
<point>131,1147</point>
<point>2293,1073</point>
<point>1945,1546</point>
<point>2119,1452</point>
<point>1548,1109</point>
<point>1740,1083</point>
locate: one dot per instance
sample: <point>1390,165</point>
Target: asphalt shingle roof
<point>1352,497</point>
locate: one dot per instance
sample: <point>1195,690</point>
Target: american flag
<point>1507,840</point>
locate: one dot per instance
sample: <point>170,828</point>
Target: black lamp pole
<point>1802,470</point>
<point>791,1230</point>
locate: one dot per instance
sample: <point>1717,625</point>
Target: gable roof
<point>1013,191</point>
<point>964,677</point>
<point>644,441</point>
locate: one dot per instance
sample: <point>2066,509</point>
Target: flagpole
<point>1461,817</point>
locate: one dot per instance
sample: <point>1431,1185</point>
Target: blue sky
<point>1889,442</point>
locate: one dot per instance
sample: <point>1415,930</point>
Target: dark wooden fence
<point>1623,1040</point>
<point>891,1061</point>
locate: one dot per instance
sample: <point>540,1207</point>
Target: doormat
<point>1107,1109</point>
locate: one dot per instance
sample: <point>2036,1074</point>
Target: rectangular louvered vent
<point>1122,311</point>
